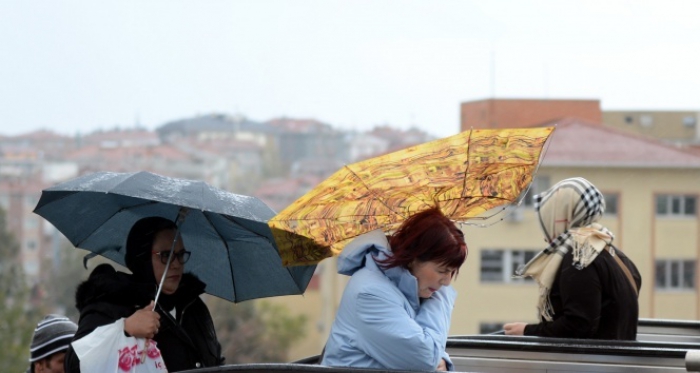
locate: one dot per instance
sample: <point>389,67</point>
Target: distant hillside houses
<point>277,160</point>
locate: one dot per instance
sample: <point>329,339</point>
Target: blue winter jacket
<point>381,322</point>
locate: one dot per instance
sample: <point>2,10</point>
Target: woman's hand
<point>514,328</point>
<point>143,323</point>
<point>442,366</point>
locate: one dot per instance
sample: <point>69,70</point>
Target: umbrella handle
<point>145,350</point>
<point>180,219</point>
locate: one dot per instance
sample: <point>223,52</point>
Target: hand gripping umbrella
<point>233,251</point>
<point>465,175</point>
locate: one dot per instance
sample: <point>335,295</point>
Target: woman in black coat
<point>181,324</point>
<point>588,288</point>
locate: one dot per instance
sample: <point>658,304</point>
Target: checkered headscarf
<point>568,213</point>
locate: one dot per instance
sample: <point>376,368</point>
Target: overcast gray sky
<point>83,65</point>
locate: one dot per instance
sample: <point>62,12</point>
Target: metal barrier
<point>664,330</point>
<point>287,368</point>
<point>519,354</point>
<point>497,353</point>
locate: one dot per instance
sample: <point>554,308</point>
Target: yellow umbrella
<point>464,175</point>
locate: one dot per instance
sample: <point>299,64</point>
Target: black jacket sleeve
<point>580,295</point>
<point>90,320</point>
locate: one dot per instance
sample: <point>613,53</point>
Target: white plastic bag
<point>108,350</point>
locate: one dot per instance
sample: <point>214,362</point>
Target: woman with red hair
<point>396,309</point>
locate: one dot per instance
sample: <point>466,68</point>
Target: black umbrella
<point>233,251</point>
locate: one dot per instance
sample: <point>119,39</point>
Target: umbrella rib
<point>373,192</point>
<point>221,237</point>
<point>349,216</point>
<point>233,279</point>
<point>231,219</point>
<point>77,244</point>
<point>469,164</point>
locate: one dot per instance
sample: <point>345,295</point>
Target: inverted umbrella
<point>464,175</point>
<point>233,251</point>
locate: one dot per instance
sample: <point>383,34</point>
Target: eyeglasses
<point>182,256</point>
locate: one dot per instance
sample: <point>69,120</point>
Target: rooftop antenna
<point>545,78</point>
<point>491,123</point>
<point>493,74</point>
<point>137,119</point>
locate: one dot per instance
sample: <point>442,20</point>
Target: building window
<point>491,265</point>
<point>500,265</point>
<point>490,327</point>
<point>676,205</point>
<point>689,121</point>
<point>611,203</point>
<point>629,119</point>
<point>646,120</point>
<point>539,185</point>
<point>675,274</point>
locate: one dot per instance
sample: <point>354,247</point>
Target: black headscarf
<point>139,244</point>
<point>138,258</point>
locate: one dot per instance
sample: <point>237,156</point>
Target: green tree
<point>17,316</point>
<point>255,331</point>
<point>272,162</point>
<point>63,279</point>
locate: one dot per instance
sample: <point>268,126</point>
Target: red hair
<point>427,236</point>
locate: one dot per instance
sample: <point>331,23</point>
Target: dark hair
<point>140,241</point>
<point>427,236</point>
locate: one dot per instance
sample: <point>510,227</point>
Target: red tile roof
<point>280,186</point>
<point>41,134</point>
<point>298,125</point>
<point>97,152</point>
<point>694,149</point>
<point>26,186</point>
<point>221,146</point>
<point>577,142</point>
<point>136,136</point>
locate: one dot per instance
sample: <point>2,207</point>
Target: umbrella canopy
<point>464,175</point>
<point>233,251</point>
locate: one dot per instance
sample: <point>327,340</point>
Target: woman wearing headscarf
<point>588,287</point>
<point>395,311</point>
<point>180,323</point>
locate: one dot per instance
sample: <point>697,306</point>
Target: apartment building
<point>679,127</point>
<point>651,191</point>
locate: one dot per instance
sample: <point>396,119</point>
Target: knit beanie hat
<point>53,334</point>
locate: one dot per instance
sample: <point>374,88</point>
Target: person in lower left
<point>50,341</point>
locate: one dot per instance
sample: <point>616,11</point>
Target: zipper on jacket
<point>182,314</point>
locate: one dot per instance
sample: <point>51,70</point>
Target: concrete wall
<point>665,125</point>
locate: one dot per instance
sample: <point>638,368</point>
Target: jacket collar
<point>363,252</point>
<point>105,284</point>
